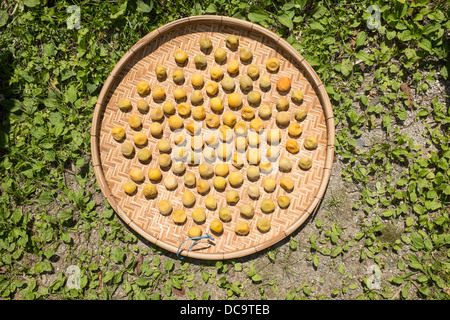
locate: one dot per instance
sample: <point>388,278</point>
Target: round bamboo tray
<point>112,168</point>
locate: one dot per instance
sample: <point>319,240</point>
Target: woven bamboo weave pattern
<point>112,168</point>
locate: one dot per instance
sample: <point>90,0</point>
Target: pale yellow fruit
<point>199,215</point>
<point>164,160</point>
<point>229,118</point>
<point>156,114</point>
<point>219,183</point>
<point>284,164</point>
<point>232,41</point>
<point>287,184</point>
<point>161,72</point>
<point>241,228</point>
<point>124,104</point>
<point>216,104</point>
<point>211,203</point>
<point>273,152</point>
<point>265,167</point>
<point>225,214</point>
<point>129,187</point>
<point>263,224</point>
<point>265,111</point>
<point>245,54</point>
<point>254,97</point>
<point>253,156</point>
<point>149,191</point>
<point>264,83</point>
<point>295,129</point>
<point>220,54</point>
<point>140,139</point>
<point>184,109</point>
<point>179,94</point>
<point>193,127</point>
<point>234,100</point>
<point>170,183</point>
<point>283,118</point>
<point>221,169</point>
<point>196,97</point>
<point>297,95</point>
<point>190,180</point>
<point>165,207</point>
<point>142,106</point>
<point>143,87</point>
<point>205,44</point>
<point>282,104</point>
<point>273,64</point>
<point>253,173</point>
<point>292,146</point>
<point>283,202</point>
<point>305,163</point>
<point>225,133</point>
<point>197,80</point>
<point>246,83</point>
<point>253,191</point>
<point>127,149</point>
<point>253,71</point>
<point>205,170</point>
<point>188,199</point>
<point>194,232</point>
<point>247,211</point>
<point>257,124</point>
<point>178,76</point>
<point>247,113</point>
<point>199,113</point>
<point>227,83</point>
<point>203,187</point>
<point>216,73</point>
<point>301,114</point>
<point>212,88</point>
<point>200,61</point>
<point>168,108</point>
<point>267,206</point>
<point>137,175</point>
<point>310,143</point>
<point>233,66</point>
<point>180,56</point>
<point>235,179</point>
<point>179,217</point>
<point>156,129</point>
<point>273,136</point>
<point>240,127</point>
<point>154,174</point>
<point>212,120</point>
<point>144,155</point>
<point>269,185</point>
<point>118,133</point>
<point>158,93</point>
<point>241,143</point>
<point>175,122</point>
<point>232,197</point>
<point>164,146</point>
<point>179,168</point>
<point>216,226</point>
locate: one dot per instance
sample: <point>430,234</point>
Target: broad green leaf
<point>360,39</point>
<point>118,255</point>
<point>315,25</point>
<point>286,21</point>
<point>144,6</point>
<point>3,17</point>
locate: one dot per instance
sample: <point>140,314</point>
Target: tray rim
<point>317,85</point>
